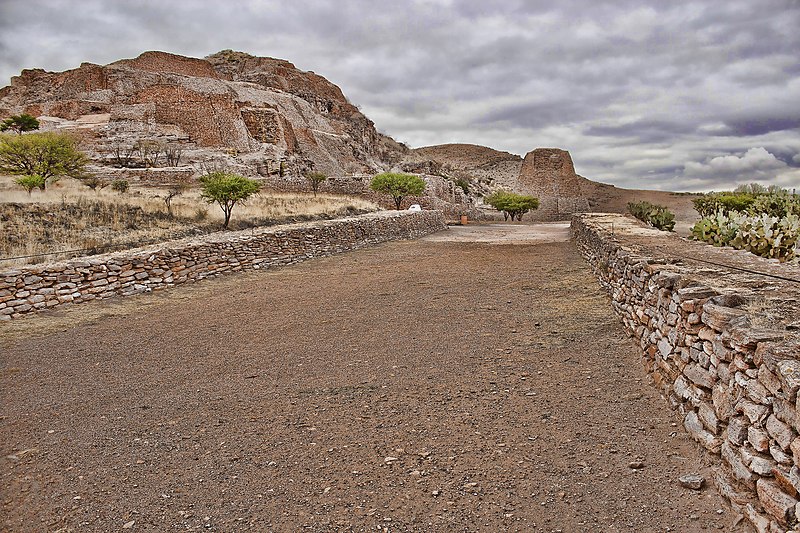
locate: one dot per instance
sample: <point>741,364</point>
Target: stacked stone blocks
<point>33,288</point>
<point>735,385</point>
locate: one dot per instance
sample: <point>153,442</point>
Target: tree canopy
<point>227,190</point>
<point>20,123</point>
<point>49,155</point>
<point>512,204</point>
<point>398,185</point>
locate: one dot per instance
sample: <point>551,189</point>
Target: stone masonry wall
<point>32,288</point>
<point>734,385</point>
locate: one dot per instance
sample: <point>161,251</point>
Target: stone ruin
<point>548,174</point>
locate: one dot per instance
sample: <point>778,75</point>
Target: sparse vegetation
<point>49,155</point>
<point>315,179</point>
<point>94,183</point>
<point>763,235</point>
<point>174,191</point>
<point>64,218</point>
<point>657,216</point>
<point>20,123</point>
<point>463,184</point>
<point>398,186</point>
<point>30,182</point>
<point>121,186</point>
<point>227,189</point>
<point>149,151</point>
<point>511,204</point>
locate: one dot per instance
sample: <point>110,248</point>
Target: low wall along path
<point>734,381</point>
<point>33,288</point>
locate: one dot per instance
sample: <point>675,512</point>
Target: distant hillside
<point>264,117</point>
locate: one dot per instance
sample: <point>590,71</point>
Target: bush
<point>398,186</point>
<point>512,205</point>
<point>464,184</point>
<point>776,204</point>
<point>726,202</point>
<point>657,216</point>
<point>121,186</point>
<point>94,183</point>
<point>718,229</point>
<point>30,182</point>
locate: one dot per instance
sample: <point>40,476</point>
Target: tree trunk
<point>397,201</point>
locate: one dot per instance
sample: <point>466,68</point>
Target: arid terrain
<point>434,385</point>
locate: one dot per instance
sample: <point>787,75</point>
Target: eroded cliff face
<point>252,111</point>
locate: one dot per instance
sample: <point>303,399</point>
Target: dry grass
<point>69,217</point>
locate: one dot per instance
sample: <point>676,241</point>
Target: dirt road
<point>415,386</point>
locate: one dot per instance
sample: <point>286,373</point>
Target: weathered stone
<point>737,430</point>
<point>775,501</point>
<point>700,376</point>
<point>692,481</point>
<point>753,411</point>
<point>695,293</point>
<point>664,347</point>
<point>758,438</point>
<point>779,455</point>
<point>706,414</point>
<point>696,430</point>
<point>769,380</point>
<point>738,468</point>
<point>795,447</point>
<point>788,372</point>
<point>721,318</point>
<point>779,431</point>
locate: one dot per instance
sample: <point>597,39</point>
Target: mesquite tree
<point>227,190</point>
<point>398,186</point>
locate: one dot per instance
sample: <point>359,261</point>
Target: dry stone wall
<point>734,385</point>
<point>33,288</point>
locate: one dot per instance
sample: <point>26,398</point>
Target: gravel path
<point>415,386</point>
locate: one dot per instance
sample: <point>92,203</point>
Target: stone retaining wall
<point>734,384</point>
<point>32,288</point>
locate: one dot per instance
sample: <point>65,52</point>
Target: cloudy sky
<point>683,95</point>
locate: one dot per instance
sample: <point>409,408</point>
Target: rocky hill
<point>264,117</point>
<point>261,110</point>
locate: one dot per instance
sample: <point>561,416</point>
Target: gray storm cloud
<point>693,95</point>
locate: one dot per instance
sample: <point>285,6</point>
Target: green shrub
<point>776,204</point>
<point>727,202</point>
<point>657,216</point>
<point>315,179</point>
<point>121,186</point>
<point>464,184</point>
<point>49,155</point>
<point>718,229</point>
<point>34,181</point>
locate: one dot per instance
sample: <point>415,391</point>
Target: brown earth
<point>415,386</point>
